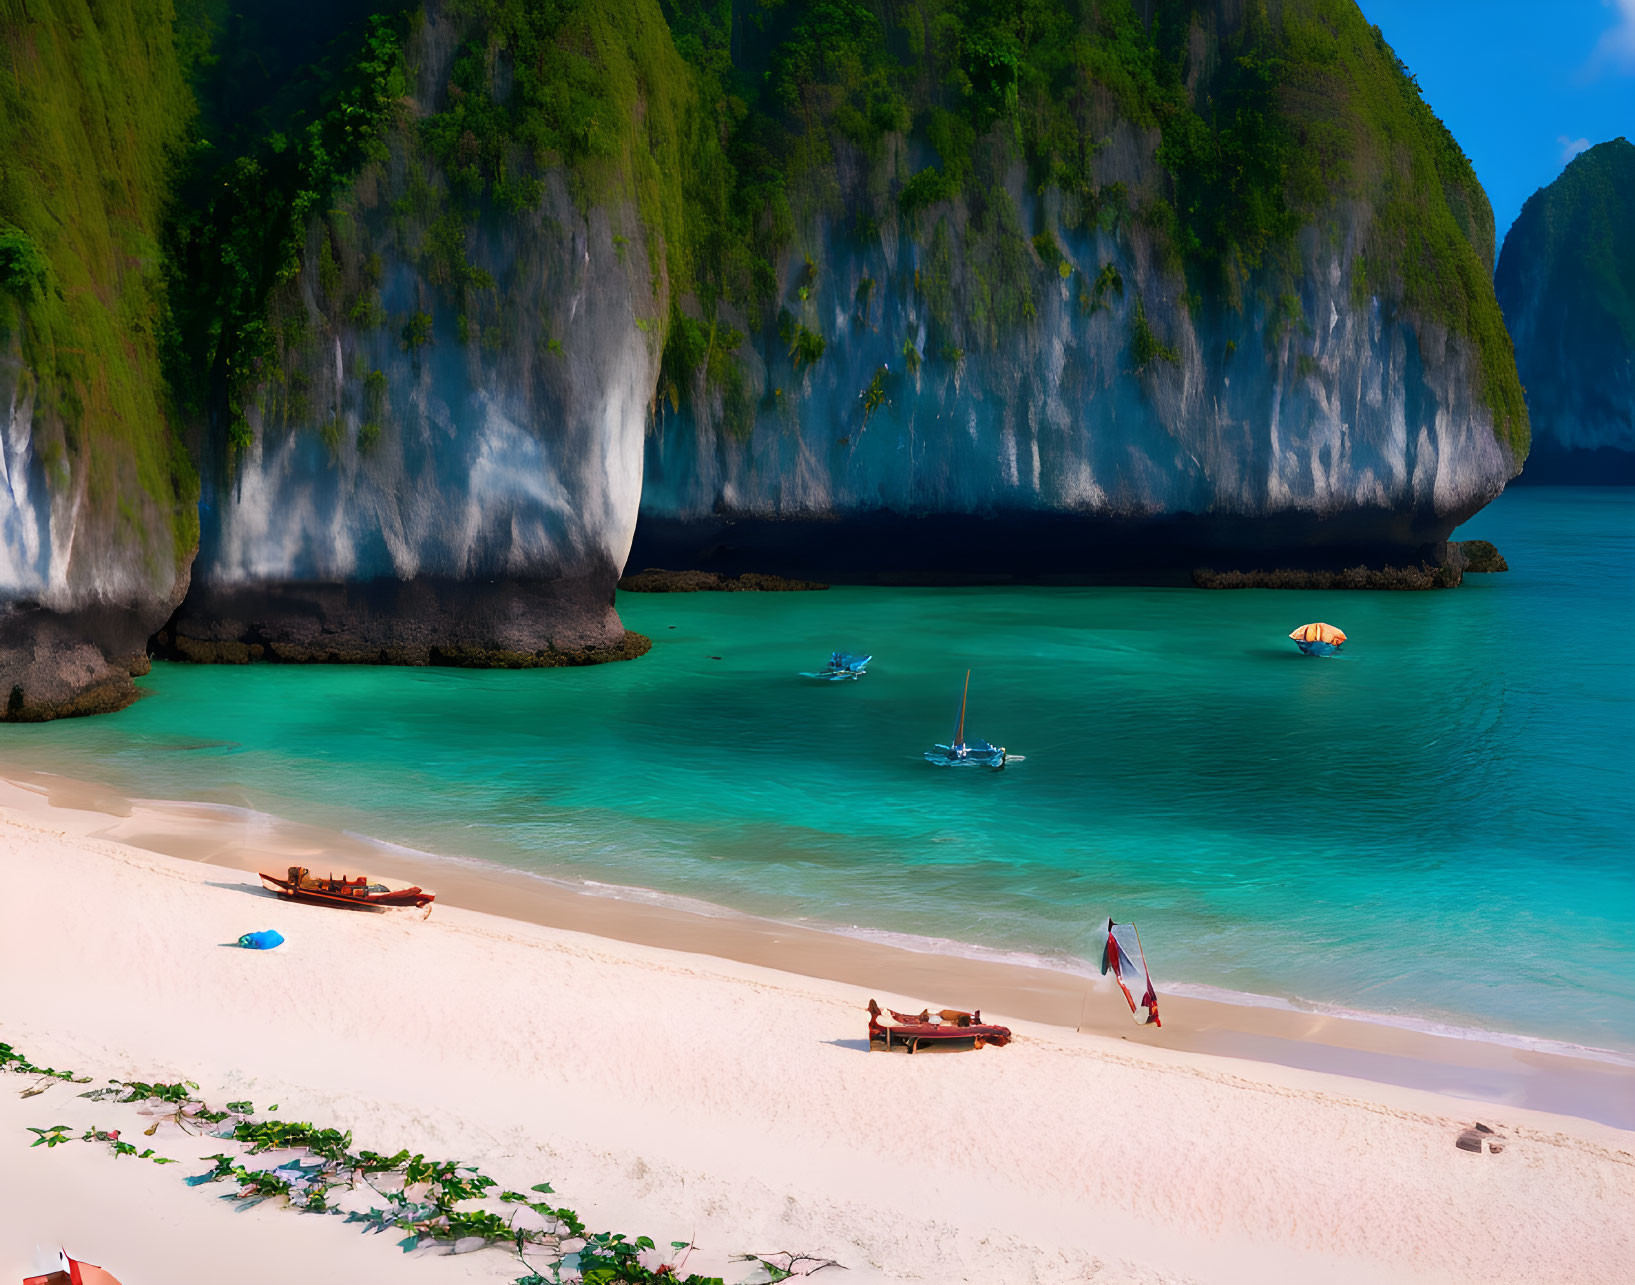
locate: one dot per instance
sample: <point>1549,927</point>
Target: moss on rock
<point>92,109</point>
<point>658,580</point>
<point>1480,556</point>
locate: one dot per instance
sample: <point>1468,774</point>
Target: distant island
<point>1566,281</point>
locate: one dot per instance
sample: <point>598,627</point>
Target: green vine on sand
<point>14,1062</point>
<point>425,1201</point>
<point>57,1134</point>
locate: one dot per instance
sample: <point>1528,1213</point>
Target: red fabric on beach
<point>1129,966</point>
<point>78,1273</point>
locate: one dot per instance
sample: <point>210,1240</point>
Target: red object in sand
<point>355,894</point>
<point>911,1031</point>
<point>73,1272</point>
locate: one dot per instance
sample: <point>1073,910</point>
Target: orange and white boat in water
<point>1318,639</point>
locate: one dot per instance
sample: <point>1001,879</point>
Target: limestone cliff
<point>842,289</point>
<point>1317,427</point>
<point>441,456</point>
<point>97,518</point>
<point>1123,296</point>
<point>1566,280</point>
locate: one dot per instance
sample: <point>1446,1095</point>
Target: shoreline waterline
<point>1436,825</point>
<point>1498,1067</point>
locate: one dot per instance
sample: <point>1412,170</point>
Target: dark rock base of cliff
<point>505,624</point>
<point>1035,548</point>
<point>1478,556</point>
<point>1549,465</point>
<point>64,666</point>
<point>1375,578</point>
<point>658,580</point>
<point>1456,559</point>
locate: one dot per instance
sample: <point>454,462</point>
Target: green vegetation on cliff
<point>594,87</point>
<point>594,92</point>
<point>240,222</point>
<point>92,105</point>
<point>1286,116</point>
<point>1566,280</point>
<point>1580,232</point>
<point>600,89</point>
<point>728,127</point>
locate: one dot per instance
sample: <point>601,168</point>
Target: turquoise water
<point>1436,825</point>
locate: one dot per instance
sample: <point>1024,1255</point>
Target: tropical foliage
<point>240,225</point>
<point>727,126</point>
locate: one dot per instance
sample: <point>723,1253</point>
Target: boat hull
<point>393,899</point>
<point>1317,648</point>
<point>910,1032</point>
<point>843,665</point>
<point>942,756</point>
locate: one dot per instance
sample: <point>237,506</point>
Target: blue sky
<point>1523,84</point>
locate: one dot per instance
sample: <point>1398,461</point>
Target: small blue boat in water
<point>842,665</point>
<point>963,753</point>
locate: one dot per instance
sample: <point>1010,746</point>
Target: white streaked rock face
<point>25,549</point>
<point>58,549</point>
<point>1341,407</point>
<point>499,456</point>
<point>512,450</point>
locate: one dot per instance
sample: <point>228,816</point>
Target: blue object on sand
<point>262,940</point>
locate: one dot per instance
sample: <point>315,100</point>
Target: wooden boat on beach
<point>947,1026</point>
<point>354,894</point>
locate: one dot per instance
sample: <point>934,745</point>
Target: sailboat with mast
<point>963,753</point>
<point>843,665</point>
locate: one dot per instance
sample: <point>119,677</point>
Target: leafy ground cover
<point>417,1200</point>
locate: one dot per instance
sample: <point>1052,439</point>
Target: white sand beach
<point>688,1096</point>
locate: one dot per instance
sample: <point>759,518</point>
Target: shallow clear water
<point>1437,823</point>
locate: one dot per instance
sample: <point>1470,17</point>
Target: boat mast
<point>1146,973</point>
<point>959,734</point>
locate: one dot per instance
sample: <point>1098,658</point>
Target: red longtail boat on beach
<point>354,894</point>
<point>949,1025</point>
